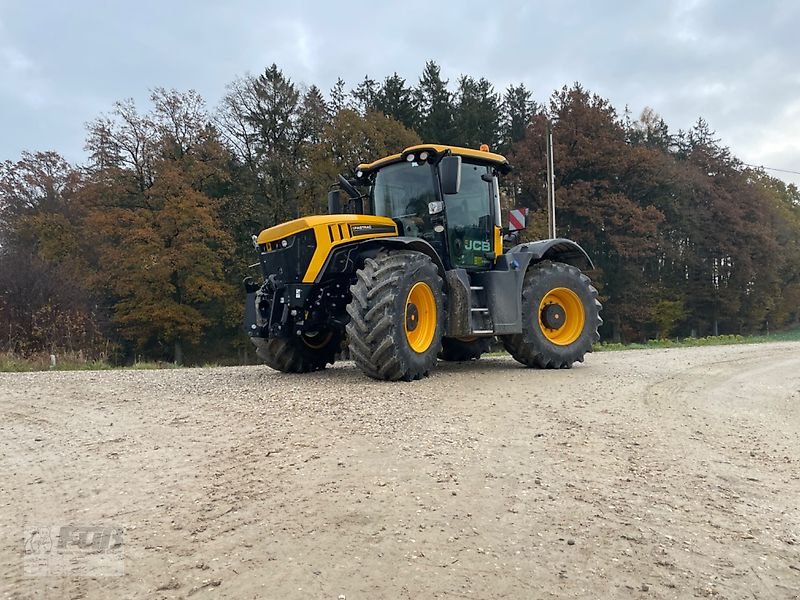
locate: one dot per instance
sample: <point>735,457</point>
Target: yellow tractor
<point>409,268</point>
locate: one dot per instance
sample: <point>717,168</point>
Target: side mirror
<point>450,174</point>
<point>334,203</point>
<point>348,187</point>
<point>510,235</point>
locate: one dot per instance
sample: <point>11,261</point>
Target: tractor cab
<point>445,195</point>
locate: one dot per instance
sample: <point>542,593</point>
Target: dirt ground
<point>639,474</point>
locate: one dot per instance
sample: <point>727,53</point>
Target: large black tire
<point>559,295</point>
<point>396,316</point>
<point>456,350</point>
<point>301,354</point>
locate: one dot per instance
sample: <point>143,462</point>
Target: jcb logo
<point>477,245</point>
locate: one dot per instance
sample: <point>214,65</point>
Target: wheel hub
<point>561,316</point>
<point>553,316</point>
<point>412,317</point>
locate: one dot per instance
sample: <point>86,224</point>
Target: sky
<point>735,63</point>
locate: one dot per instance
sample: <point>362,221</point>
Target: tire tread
<point>372,329</point>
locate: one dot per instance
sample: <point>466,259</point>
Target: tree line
<point>141,250</point>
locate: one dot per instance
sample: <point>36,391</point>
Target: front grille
<point>290,263</point>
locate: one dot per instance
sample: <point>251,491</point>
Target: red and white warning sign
<point>516,219</point>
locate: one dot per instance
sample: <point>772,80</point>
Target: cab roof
<point>485,156</point>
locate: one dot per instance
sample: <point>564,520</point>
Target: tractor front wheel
<point>560,317</point>
<point>300,354</point>
<point>396,316</point>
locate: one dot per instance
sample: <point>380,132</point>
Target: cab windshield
<point>403,190</point>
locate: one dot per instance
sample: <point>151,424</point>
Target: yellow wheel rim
<point>420,317</point>
<point>561,316</point>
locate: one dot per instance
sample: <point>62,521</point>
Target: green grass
<point>792,335</point>
<point>12,363</point>
<point>151,365</point>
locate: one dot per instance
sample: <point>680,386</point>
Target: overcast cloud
<point>733,63</point>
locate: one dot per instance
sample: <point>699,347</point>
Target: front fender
<point>374,245</point>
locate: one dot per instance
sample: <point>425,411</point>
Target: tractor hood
<point>338,226</point>
<point>320,235</point>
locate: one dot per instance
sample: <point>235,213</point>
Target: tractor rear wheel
<point>301,354</point>
<point>560,317</point>
<point>396,316</point>
<point>457,350</point>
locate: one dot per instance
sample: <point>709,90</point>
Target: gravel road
<point>639,474</point>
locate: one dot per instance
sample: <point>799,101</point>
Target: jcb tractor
<point>410,268</point>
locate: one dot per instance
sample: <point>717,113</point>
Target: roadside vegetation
<point>73,361</point>
<point>792,335</point>
<point>12,363</point>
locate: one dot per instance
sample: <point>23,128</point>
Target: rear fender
<point>509,274</point>
<point>557,250</point>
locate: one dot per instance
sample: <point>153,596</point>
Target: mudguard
<point>558,249</point>
<point>374,245</point>
<point>509,274</point>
